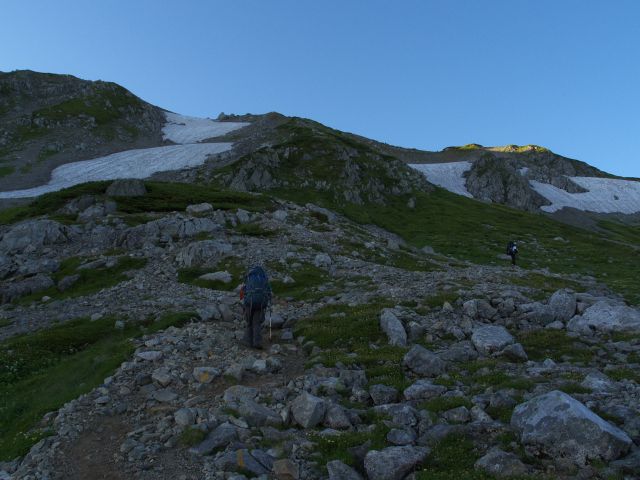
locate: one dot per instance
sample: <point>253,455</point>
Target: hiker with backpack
<point>512,251</point>
<point>256,295</point>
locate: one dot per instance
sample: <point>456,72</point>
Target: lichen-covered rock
<point>33,234</point>
<point>393,463</point>
<point>308,410</point>
<point>562,305</point>
<point>423,362</point>
<point>501,464</point>
<point>559,425</point>
<point>341,471</point>
<point>393,327</point>
<point>606,318</point>
<point>491,338</point>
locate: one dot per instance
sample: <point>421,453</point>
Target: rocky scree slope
<point>47,120</point>
<point>385,362</point>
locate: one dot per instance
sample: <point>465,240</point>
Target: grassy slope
<point>40,372</point>
<point>478,232</point>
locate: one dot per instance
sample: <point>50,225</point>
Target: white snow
<point>605,195</point>
<point>446,175</point>
<point>140,163</point>
<point>183,129</point>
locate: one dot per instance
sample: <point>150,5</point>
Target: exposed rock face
<point>17,289</point>
<point>496,180</point>
<point>33,234</point>
<point>604,317</point>
<point>358,173</point>
<point>393,463</point>
<point>48,119</point>
<point>502,175</point>
<point>559,425</point>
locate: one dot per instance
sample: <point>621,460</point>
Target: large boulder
<point>606,318</point>
<point>33,234</point>
<point>491,338</point>
<point>127,187</point>
<point>423,362</point>
<point>393,463</point>
<point>562,305</point>
<point>559,425</point>
<point>308,410</point>
<point>393,327</point>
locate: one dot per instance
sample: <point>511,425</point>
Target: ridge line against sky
<point>415,73</point>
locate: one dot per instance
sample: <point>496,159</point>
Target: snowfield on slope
<point>605,195</point>
<point>141,163</point>
<point>446,175</point>
<point>183,129</point>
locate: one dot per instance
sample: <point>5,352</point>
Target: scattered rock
<point>491,338</point>
<point>423,362</point>
<point>393,463</point>
<point>392,326</point>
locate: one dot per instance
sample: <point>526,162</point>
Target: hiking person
<point>512,251</point>
<point>255,294</point>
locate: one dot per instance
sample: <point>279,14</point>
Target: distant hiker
<point>256,299</point>
<point>512,251</point>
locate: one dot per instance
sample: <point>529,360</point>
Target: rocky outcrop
<point>32,235</point>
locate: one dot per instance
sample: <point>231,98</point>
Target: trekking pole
<point>269,323</point>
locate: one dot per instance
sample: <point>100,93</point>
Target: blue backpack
<point>257,291</point>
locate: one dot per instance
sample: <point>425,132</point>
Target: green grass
<point>107,104</point>
<point>452,459</point>
<point>478,232</point>
<point>232,265</point>
<point>190,436</point>
<point>307,278</point>
<point>624,373</point>
<point>544,285</point>
<point>255,230</point>
<point>6,170</point>
<point>335,447</point>
<point>160,197</point>
<point>90,281</point>
<point>39,372</point>
<point>357,332</point>
<point>572,387</point>
<point>554,344</point>
<point>442,404</point>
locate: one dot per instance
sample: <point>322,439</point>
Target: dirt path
<point>96,454</point>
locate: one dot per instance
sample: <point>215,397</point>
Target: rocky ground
<point>537,385</point>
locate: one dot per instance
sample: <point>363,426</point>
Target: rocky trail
<point>386,361</point>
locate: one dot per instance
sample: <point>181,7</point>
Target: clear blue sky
<point>426,74</point>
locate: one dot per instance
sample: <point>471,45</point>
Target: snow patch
<point>141,163</point>
<point>183,129</point>
<point>447,175</point>
<point>605,195</point>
